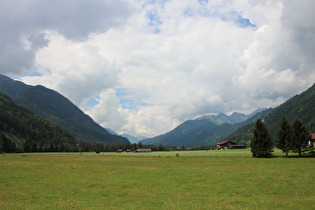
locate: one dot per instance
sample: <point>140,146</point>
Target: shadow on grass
<point>311,155</point>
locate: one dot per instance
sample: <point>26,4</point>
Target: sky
<point>143,67</point>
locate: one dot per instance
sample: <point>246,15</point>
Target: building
<point>230,145</point>
<point>311,142</point>
<point>143,150</point>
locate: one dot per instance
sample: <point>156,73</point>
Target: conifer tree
<point>26,147</point>
<point>283,136</point>
<point>299,137</point>
<point>34,147</point>
<point>261,143</point>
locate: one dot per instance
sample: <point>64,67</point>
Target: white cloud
<point>154,64</point>
<point>75,69</point>
<point>107,111</point>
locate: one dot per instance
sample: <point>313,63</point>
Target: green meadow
<point>229,179</point>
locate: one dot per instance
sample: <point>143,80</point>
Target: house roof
<point>224,142</point>
<point>144,150</point>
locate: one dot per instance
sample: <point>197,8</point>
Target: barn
<point>229,145</point>
<point>311,142</point>
<point>143,150</point>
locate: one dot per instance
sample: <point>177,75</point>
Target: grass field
<point>228,179</point>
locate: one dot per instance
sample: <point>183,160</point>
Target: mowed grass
<point>229,179</point>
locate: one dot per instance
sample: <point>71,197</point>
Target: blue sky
<point>144,67</point>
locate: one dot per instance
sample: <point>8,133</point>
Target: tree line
<point>290,138</point>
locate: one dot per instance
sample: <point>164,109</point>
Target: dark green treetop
<point>261,143</point>
<point>283,141</point>
<point>299,137</point>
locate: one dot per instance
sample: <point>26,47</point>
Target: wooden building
<point>311,142</point>
<point>230,145</point>
<point>143,150</point>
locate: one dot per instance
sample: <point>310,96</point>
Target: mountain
<point>210,129</point>
<point>205,130</point>
<point>56,108</point>
<point>12,87</point>
<point>111,131</point>
<point>133,139</point>
<point>19,125</point>
<point>244,130</point>
<point>301,106</point>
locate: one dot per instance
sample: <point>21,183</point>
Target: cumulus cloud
<point>150,65</point>
<point>22,24</point>
<point>107,111</point>
<point>75,69</point>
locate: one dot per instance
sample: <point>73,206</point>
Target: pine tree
<point>261,143</point>
<point>4,144</point>
<point>299,137</point>
<point>34,147</point>
<point>26,147</point>
<point>284,139</point>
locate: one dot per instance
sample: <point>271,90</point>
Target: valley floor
<point>229,179</point>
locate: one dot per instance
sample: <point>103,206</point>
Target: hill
<point>244,130</point>
<point>301,106</point>
<point>12,87</point>
<point>131,138</point>
<point>56,108</point>
<point>19,125</point>
<point>205,130</point>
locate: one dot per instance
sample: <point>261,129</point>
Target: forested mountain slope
<point>20,125</point>
<point>12,87</point>
<point>56,108</point>
<point>244,130</point>
<point>300,107</point>
<point>205,130</point>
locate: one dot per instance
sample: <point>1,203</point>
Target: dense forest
<point>22,130</point>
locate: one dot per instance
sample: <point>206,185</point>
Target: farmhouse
<point>143,150</point>
<point>229,145</point>
<point>311,142</point>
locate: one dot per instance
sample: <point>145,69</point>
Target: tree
<point>299,137</point>
<point>34,147</point>
<point>5,144</point>
<point>134,147</point>
<point>261,143</point>
<point>26,147</point>
<point>284,136</point>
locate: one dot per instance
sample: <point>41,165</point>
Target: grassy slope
<point>195,180</point>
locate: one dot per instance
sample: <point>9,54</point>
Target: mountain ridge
<point>205,130</point>
<point>19,125</point>
<point>56,108</point>
<point>300,106</point>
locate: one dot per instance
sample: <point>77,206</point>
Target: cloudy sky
<point>145,66</point>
